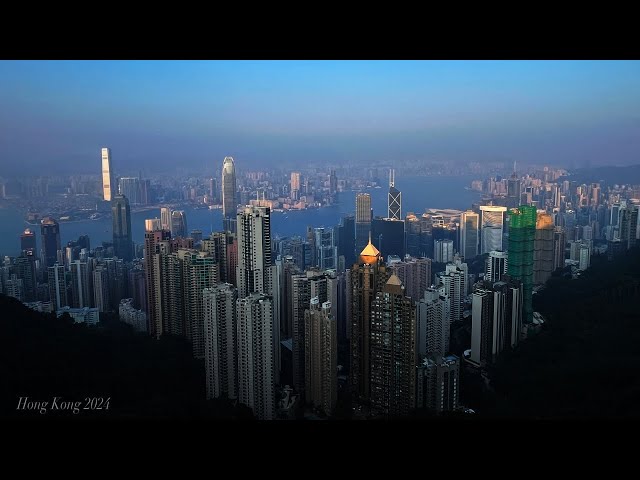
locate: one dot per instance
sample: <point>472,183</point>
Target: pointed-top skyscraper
<point>395,198</point>
<point>229,201</point>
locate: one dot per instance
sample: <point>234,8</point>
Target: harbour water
<point>418,193</point>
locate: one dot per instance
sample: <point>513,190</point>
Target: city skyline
<point>161,113</point>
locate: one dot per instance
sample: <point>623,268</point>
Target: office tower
<point>496,319</point>
<point>165,218</point>
<point>559,243</point>
<point>629,225</point>
<point>130,188</point>
<point>513,190</point>
<point>197,237</point>
<point>145,192</point>
<point>254,251</point>
<point>229,199</point>
<point>326,256</point>
<point>522,233</point>
<point>496,266</point>
<point>363,220</point>
<point>57,287</point>
<point>393,350</point>
<point>81,284</point>
<point>321,356</point>
<point>584,257</point>
<point>412,235</point>
<point>333,182</point>
<point>394,201</point>
<point>347,240</point>
<point>615,215</point>
<point>492,228</point>
<point>367,277</point>
<point>304,287</point>
<point>443,251</point>
<point>220,333</point>
<point>438,384</point>
<point>415,275</point>
<point>387,235</point>
<point>199,271</point>
<point>107,175</point>
<point>543,248</point>
<point>213,191</point>
<point>469,233</point>
<point>433,314</point>
<point>178,223</point>
<point>50,232</point>
<point>121,214</point>
<point>256,376</point>
<point>28,243</point>
<point>152,241</point>
<point>295,185</point>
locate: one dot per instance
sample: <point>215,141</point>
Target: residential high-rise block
<point>559,243</point>
<point>469,234</point>
<point>254,251</point>
<point>220,333</point>
<point>443,251</point>
<point>433,319</point>
<point>81,284</point>
<point>256,376</point>
<point>229,199</point>
<point>122,241</point>
<point>101,293</point>
<point>393,350</point>
<point>415,275</point>
<point>321,356</point>
<point>152,242</point>
<point>107,176</point>
<point>57,287</point>
<point>438,384</point>
<point>165,218</point>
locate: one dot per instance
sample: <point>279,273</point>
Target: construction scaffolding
<point>522,234</point>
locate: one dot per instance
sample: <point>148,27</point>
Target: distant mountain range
<point>609,175</point>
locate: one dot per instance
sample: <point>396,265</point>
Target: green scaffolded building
<point>522,234</point>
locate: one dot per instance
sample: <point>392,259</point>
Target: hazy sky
<point>155,114</point>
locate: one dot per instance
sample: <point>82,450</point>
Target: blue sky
<point>154,114</point>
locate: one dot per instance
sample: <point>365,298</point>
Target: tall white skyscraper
<point>492,228</point>
<point>256,375</point>
<point>107,175</point>
<point>221,352</point>
<point>165,218</point>
<point>229,200</point>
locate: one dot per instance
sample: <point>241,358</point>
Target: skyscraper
<point>121,214</point>
<point>393,350</point>
<point>326,250</point>
<point>220,333</point>
<point>152,241</point>
<point>387,235</point>
<point>543,248</point>
<point>346,240</point>
<point>256,375</point>
<point>50,231</point>
<point>229,200</point>
<point>438,384</point>
<point>179,223</point>
<point>254,251</point>
<point>433,319</point>
<point>454,284</point>
<point>469,231</point>
<point>522,233</point>
<point>443,250</point>
<point>415,275</point>
<point>394,200</point>
<point>367,277</point>
<point>295,185</point>
<point>28,243</point>
<point>333,182</point>
<point>363,220</point>
<point>165,218</point>
<point>559,243</point>
<point>130,188</point>
<point>81,284</point>
<point>107,175</point>
<point>492,228</point>
<point>57,287</point>
<point>496,266</point>
<point>321,356</point>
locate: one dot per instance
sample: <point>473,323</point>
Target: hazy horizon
<point>158,114</point>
